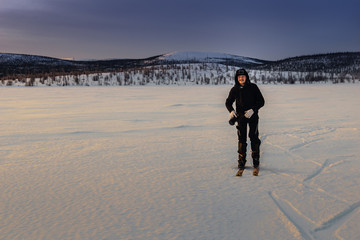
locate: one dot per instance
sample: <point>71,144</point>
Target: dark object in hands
<point>233,120</point>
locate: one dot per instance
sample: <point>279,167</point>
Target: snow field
<point>160,163</point>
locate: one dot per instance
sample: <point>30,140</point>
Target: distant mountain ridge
<point>23,59</point>
<point>24,64</point>
<point>208,57</point>
<point>332,62</point>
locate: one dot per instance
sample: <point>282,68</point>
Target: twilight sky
<point>101,29</point>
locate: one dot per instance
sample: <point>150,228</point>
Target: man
<point>248,100</point>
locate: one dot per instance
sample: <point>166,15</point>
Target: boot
<point>255,154</point>
<point>241,161</point>
<point>242,155</point>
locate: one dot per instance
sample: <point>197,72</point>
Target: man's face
<point>242,79</point>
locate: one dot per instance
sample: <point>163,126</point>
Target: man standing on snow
<point>248,100</point>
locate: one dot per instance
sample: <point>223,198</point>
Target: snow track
<point>316,158</point>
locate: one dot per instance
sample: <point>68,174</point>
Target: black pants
<point>253,122</point>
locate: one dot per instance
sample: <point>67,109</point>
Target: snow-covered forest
<point>180,74</point>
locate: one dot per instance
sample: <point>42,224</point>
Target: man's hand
<point>233,114</point>
<point>249,113</point>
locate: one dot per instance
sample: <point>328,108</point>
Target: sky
<point>105,29</point>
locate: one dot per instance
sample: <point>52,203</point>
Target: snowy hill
<point>208,57</point>
<point>21,59</point>
<point>15,64</point>
<point>333,62</point>
<point>22,64</point>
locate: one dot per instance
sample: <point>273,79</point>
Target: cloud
<point>140,28</point>
<point>29,5</point>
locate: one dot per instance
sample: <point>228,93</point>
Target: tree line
<point>177,74</point>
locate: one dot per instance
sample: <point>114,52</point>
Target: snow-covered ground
<point>160,162</point>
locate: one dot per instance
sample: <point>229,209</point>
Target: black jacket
<point>246,97</point>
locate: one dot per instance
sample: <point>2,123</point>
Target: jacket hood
<point>239,72</point>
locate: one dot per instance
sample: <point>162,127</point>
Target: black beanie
<point>241,72</point>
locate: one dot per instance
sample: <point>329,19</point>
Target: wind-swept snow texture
<point>160,163</point>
